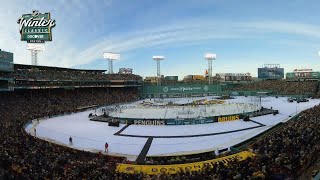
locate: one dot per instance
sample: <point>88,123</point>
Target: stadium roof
<point>53,68</point>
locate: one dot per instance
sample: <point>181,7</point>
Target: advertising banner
<point>228,118</point>
<point>182,89</point>
<point>171,78</point>
<point>176,168</point>
<point>149,122</point>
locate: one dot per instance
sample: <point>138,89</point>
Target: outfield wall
<point>193,90</point>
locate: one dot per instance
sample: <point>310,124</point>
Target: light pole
<point>210,57</point>
<point>35,48</point>
<point>158,59</point>
<point>110,56</point>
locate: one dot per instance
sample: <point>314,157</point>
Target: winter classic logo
<point>36,27</point>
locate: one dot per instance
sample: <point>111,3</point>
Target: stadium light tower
<point>35,48</point>
<point>158,59</point>
<point>210,57</point>
<point>111,57</point>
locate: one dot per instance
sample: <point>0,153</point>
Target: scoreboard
<point>303,74</point>
<point>171,78</point>
<point>6,61</point>
<point>125,70</point>
<point>271,71</point>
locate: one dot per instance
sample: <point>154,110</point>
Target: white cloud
<point>285,27</point>
<point>190,33</point>
<point>63,52</point>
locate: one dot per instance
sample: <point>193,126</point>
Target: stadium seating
<point>282,154</point>
<point>281,87</point>
<point>25,157</point>
<point>54,73</point>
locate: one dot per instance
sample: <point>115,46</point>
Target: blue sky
<point>244,34</point>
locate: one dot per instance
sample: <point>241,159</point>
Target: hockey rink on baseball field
<point>168,140</point>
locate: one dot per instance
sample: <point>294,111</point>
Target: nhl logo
<point>35,13</point>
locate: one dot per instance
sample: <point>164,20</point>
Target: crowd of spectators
<point>62,84</point>
<point>51,77</point>
<point>280,155</point>
<point>295,146</point>
<point>25,157</point>
<point>281,87</point>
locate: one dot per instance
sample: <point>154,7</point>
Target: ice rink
<point>167,140</point>
<point>155,109</point>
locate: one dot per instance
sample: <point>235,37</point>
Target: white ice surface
<point>170,146</point>
<point>91,135</point>
<point>285,108</point>
<point>88,134</point>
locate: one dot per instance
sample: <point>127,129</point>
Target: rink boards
<point>181,111</point>
<point>188,121</point>
<point>159,122</point>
